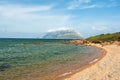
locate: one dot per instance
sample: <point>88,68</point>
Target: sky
<point>33,18</point>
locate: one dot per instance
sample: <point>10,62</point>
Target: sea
<point>43,59</point>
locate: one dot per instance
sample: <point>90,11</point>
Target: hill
<point>106,37</point>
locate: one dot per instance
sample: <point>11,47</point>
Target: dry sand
<point>108,68</point>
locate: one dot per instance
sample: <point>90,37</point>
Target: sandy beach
<point>108,68</point>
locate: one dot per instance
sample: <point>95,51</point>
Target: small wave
<point>93,61</point>
<point>67,73</point>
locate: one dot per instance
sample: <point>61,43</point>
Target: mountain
<point>106,37</point>
<point>63,34</point>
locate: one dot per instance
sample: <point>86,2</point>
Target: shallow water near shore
<point>41,59</point>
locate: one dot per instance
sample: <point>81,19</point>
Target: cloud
<point>59,29</point>
<point>63,29</point>
<point>24,18</point>
<point>100,28</point>
<point>12,10</point>
<point>77,3</point>
<point>86,4</point>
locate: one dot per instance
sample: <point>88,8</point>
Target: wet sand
<point>108,68</point>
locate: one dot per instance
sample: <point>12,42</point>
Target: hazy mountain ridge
<point>62,34</point>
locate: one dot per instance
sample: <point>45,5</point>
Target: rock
<point>4,66</point>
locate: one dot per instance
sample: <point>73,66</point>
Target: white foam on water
<point>67,73</point>
<point>93,61</point>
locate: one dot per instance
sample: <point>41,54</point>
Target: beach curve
<point>106,68</point>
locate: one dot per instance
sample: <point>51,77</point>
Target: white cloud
<point>88,6</point>
<point>100,28</point>
<point>63,28</point>
<point>12,10</point>
<point>20,18</point>
<point>84,1</point>
<point>77,3</point>
<point>85,4</point>
<point>59,29</point>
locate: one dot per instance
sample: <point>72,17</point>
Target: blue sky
<point>32,18</point>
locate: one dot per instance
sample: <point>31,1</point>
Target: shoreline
<point>63,72</point>
<point>100,69</point>
<point>68,75</point>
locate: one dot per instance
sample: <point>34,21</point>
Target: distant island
<point>63,34</point>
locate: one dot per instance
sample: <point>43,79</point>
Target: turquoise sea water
<point>41,59</point>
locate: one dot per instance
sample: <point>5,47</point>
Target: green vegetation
<point>106,37</point>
